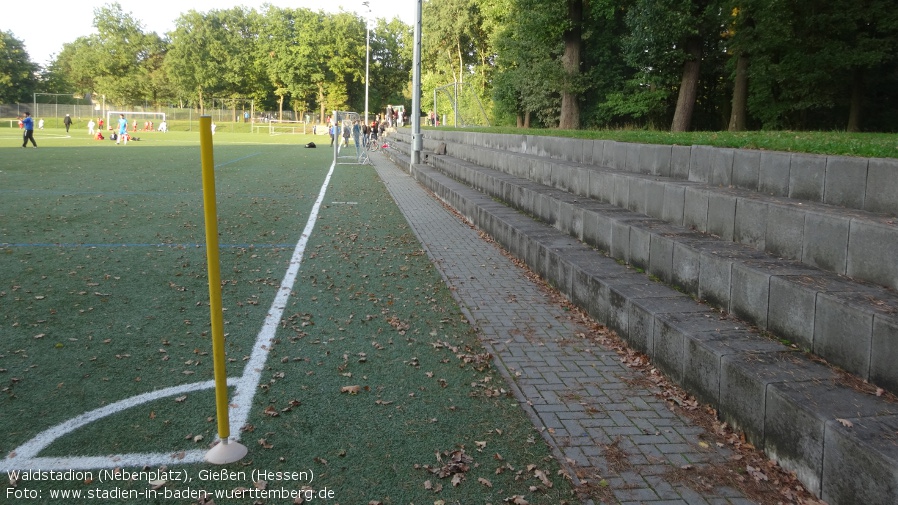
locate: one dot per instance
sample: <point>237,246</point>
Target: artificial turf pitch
<point>375,386</point>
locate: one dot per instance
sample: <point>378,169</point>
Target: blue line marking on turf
<point>235,161</point>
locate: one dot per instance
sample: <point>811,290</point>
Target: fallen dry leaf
<point>846,423</point>
<point>485,482</point>
<point>542,477</point>
<point>353,390</point>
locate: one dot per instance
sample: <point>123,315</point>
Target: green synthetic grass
<point>103,296</point>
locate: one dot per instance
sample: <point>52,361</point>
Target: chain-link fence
<point>186,119</point>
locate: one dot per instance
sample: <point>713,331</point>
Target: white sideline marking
<point>25,456</point>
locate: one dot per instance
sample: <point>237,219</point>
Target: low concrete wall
<point>869,184</point>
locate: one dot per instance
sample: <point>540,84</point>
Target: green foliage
<point>17,71</point>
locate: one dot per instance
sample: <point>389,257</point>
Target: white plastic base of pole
<point>226,451</point>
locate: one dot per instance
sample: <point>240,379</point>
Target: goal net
<point>146,121</point>
<point>285,127</point>
<point>347,148</point>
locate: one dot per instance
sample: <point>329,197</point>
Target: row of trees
<point>284,59</point>
<point>701,64</point>
<point>677,64</point>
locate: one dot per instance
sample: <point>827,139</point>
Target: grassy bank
<point>872,145</point>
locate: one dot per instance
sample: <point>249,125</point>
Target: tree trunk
<point>740,95</point>
<point>202,107</point>
<point>688,86</point>
<point>520,122</point>
<point>857,101</point>
<point>570,62</point>
<point>527,119</point>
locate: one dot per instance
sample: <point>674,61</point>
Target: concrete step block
<point>695,211</point>
<point>784,236</point>
<point>655,160</point>
<point>751,222</point>
<point>746,378</point>
<point>746,169</point>
<point>642,314</point>
<point>704,353</point>
<point>796,422</point>
<point>722,214</point>
<point>721,173</point>
<point>860,463</point>
<point>873,250</point>
<point>807,176</point>
<point>671,332</point>
<point>825,241</point>
<point>881,194</point>
<point>700,164</point>
<point>680,161</point>
<point>884,354</point>
<point>846,181</point>
<point>774,173</point>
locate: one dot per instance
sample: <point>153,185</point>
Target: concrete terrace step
<point>840,442</point>
<point>847,241</point>
<point>851,324</point>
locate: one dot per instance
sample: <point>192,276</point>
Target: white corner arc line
<point>25,456</point>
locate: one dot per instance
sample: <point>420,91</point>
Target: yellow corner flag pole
<point>227,451</point>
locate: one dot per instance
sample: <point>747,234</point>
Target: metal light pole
<point>417,139</point>
<point>367,54</point>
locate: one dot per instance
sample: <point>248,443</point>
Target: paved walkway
<point>601,426</point>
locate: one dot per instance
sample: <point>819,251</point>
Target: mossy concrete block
<point>846,181</point>
<point>655,159</point>
<point>793,304</point>
<point>750,226</point>
<point>598,150</point>
<point>746,378</point>
<point>654,198</point>
<point>597,219</point>
<point>674,206</point>
<point>700,164</point>
<point>825,241</point>
<point>806,177</point>
<point>868,448</point>
<point>843,332</point>
<point>784,237</point>
<point>672,332</point>
<point>636,194</point>
<point>721,169</point>
<point>721,214</point>
<point>601,185</point>
<point>621,183</point>
<point>695,212</point>
<point>774,173</point>
<point>873,251</point>
<point>746,169</point>
<point>884,356</point>
<point>704,354</point>
<point>882,186</point>
<point>644,312</point>
<point>796,422</point>
<point>680,161</point>
<point>715,276</point>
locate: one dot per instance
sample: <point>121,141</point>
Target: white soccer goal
<point>131,116</point>
<point>284,127</point>
<point>354,152</point>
